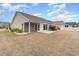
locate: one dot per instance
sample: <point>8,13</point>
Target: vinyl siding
<point>18,21</point>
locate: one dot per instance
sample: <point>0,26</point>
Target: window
<point>44,26</point>
<point>66,26</point>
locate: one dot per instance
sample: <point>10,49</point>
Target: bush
<point>58,28</point>
<point>54,28</point>
<point>16,30</point>
<point>6,27</point>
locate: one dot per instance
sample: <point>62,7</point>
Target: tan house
<point>30,23</point>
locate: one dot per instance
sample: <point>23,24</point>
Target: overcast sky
<point>54,12</point>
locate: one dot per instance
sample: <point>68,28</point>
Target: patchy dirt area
<point>40,44</point>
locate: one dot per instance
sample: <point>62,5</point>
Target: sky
<point>67,12</point>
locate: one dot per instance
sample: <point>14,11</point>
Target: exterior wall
<point>60,26</point>
<point>48,27</point>
<point>26,27</point>
<point>18,21</point>
<point>41,27</point>
<point>34,27</point>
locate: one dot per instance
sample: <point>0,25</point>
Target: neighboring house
<point>30,23</point>
<point>71,24</point>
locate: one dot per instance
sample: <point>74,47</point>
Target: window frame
<point>44,26</point>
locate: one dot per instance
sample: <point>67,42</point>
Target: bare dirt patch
<point>40,44</point>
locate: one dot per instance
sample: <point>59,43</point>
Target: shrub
<point>54,28</point>
<point>6,27</point>
<point>16,30</point>
<point>58,28</point>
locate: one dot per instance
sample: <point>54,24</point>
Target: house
<point>30,23</point>
<point>71,24</point>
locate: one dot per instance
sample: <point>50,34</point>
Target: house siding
<point>21,18</point>
<point>18,21</point>
<point>41,27</point>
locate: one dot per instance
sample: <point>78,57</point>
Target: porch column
<point>47,27</point>
<point>41,27</point>
<point>29,26</point>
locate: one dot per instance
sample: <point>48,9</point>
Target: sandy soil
<point>39,44</point>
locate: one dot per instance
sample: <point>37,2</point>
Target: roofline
<point>34,16</point>
<point>13,18</point>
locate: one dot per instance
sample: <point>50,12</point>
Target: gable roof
<point>57,22</point>
<point>35,18</point>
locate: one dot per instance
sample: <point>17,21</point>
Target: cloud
<point>2,11</point>
<point>10,7</point>
<point>60,13</point>
<point>60,6</point>
<point>51,4</point>
<point>66,17</point>
<point>48,10</point>
<point>37,14</point>
<point>57,9</point>
<point>18,7</point>
<point>54,12</point>
<point>6,5</point>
